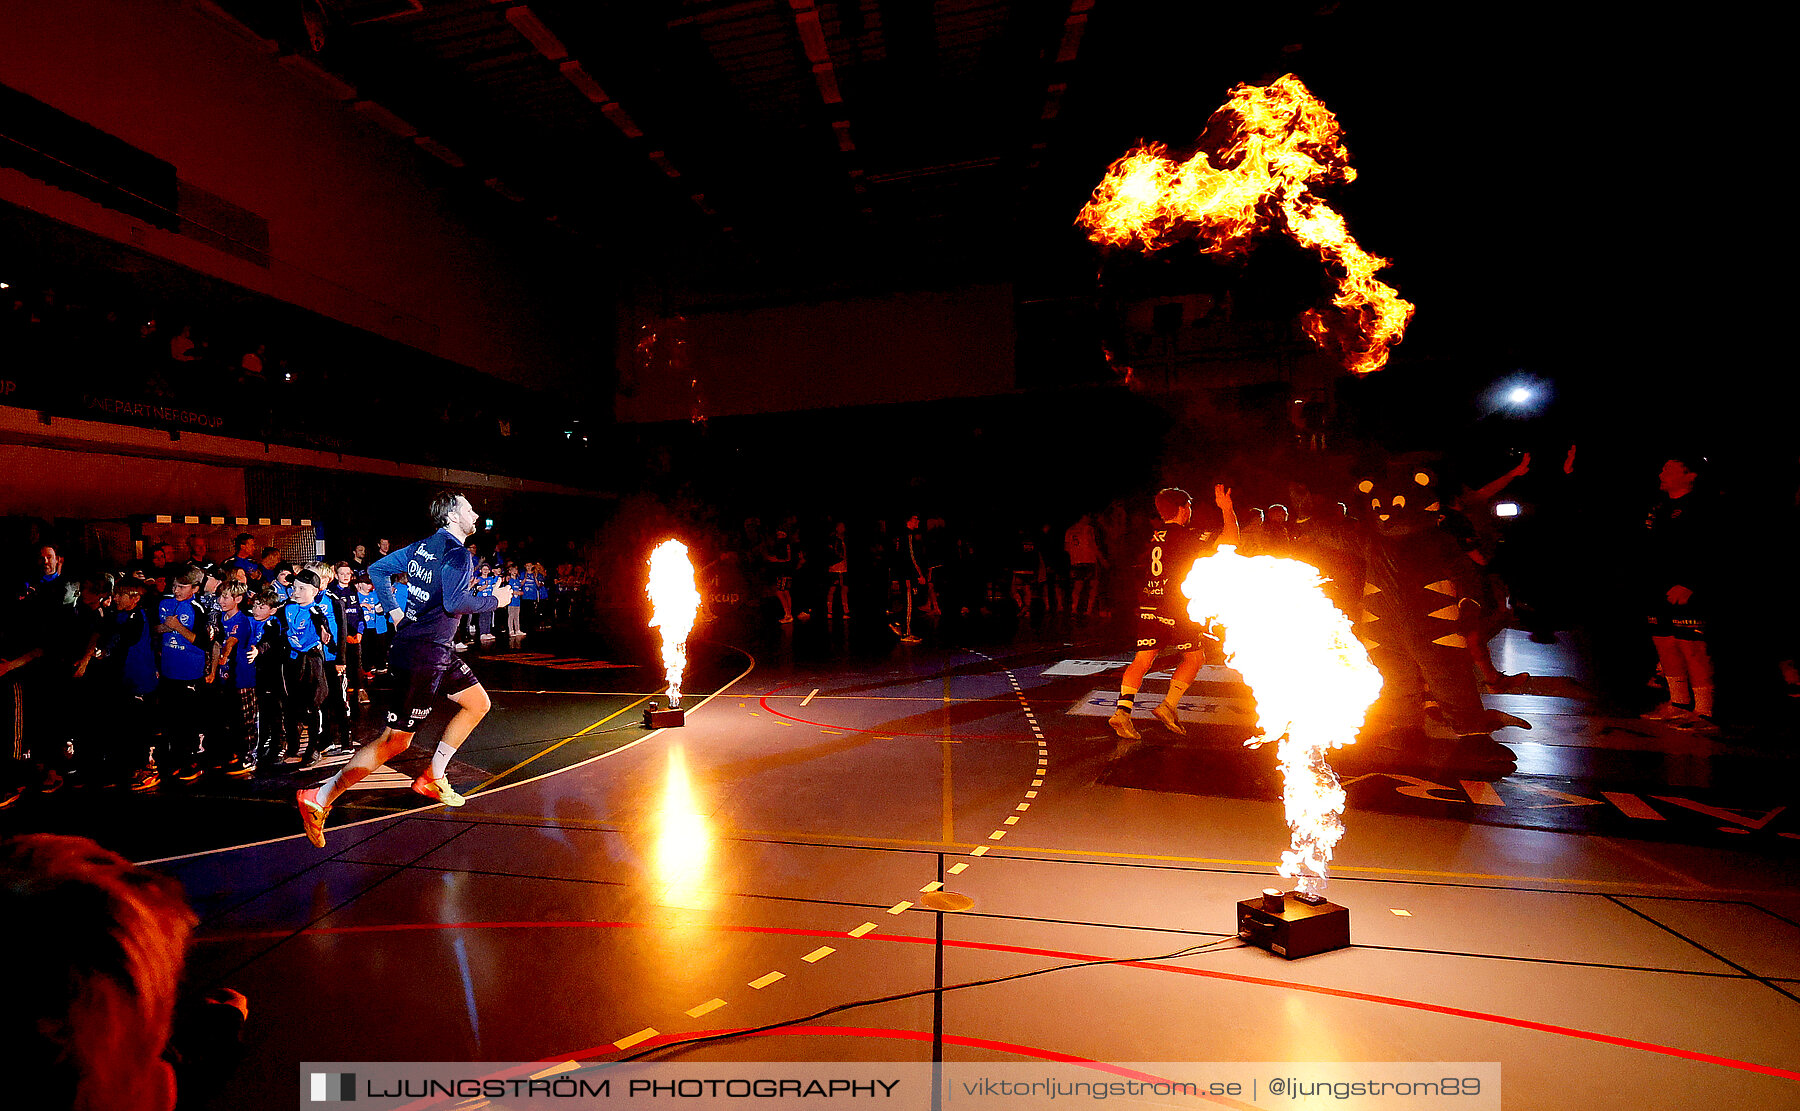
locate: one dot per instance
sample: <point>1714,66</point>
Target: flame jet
<point>1280,142</point>
<point>674,605</point>
<point>1312,679</point>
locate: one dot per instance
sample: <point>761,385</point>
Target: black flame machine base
<point>671,718</point>
<point>1293,925</point>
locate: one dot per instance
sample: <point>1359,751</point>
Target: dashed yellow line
<point>818,954</point>
<point>900,908</point>
<point>553,1070</point>
<point>866,927</point>
<point>764,981</point>
<point>707,1007</point>
<point>934,885</point>
<point>645,1034</point>
<point>956,869</point>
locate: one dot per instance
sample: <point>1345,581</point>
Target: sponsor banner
<point>1353,1086</point>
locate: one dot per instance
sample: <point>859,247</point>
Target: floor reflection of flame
<point>683,847</point>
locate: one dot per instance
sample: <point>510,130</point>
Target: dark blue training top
<point>438,588</point>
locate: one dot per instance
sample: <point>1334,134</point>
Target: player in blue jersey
<point>422,661</point>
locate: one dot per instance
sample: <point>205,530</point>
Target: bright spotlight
<point>1519,396</point>
<point>1506,509</point>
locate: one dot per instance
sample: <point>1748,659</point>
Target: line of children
<point>170,686</point>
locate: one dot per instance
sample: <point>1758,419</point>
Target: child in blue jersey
<point>515,608</point>
<point>236,681</point>
<point>334,712</point>
<point>530,585</point>
<point>123,670</point>
<point>486,582</point>
<point>375,625</point>
<point>293,641</point>
<point>183,648</point>
<point>356,675</point>
<point>266,681</point>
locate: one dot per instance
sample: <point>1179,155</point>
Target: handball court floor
<point>1617,923</point>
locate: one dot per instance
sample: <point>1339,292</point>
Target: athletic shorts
<point>1159,631</point>
<point>410,693</point>
<point>1680,622</point>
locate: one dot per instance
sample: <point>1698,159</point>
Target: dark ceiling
<point>727,148</point>
<point>797,135</point>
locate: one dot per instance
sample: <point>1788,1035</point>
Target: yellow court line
<point>557,745</point>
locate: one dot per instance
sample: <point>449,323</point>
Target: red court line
<point>1340,993</point>
<point>936,734</point>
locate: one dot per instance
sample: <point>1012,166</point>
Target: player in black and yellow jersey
<point>1163,624</point>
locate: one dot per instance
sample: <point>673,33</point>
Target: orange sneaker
<point>312,815</point>
<point>437,790</point>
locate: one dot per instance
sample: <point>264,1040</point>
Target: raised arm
<point>1228,532</point>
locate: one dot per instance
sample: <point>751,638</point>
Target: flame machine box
<point>1293,925</point>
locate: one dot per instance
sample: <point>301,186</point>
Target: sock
<point>1126,694</point>
<point>1680,692</point>
<point>1177,688</point>
<point>440,760</point>
<point>347,777</point>
<point>1703,701</point>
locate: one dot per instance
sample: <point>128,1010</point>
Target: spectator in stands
<point>196,549</point>
<point>37,662</point>
<point>779,557</point>
<point>245,560</point>
<point>359,559</point>
<point>909,571</point>
<point>251,365</point>
<point>1253,533</point>
<point>86,1018</point>
<point>837,571</point>
<point>1682,580</point>
<point>1053,574</point>
<point>182,348</point>
<point>1081,543</point>
<point>49,571</point>
<point>159,569</point>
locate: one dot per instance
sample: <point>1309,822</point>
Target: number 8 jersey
<point>1168,558</point>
